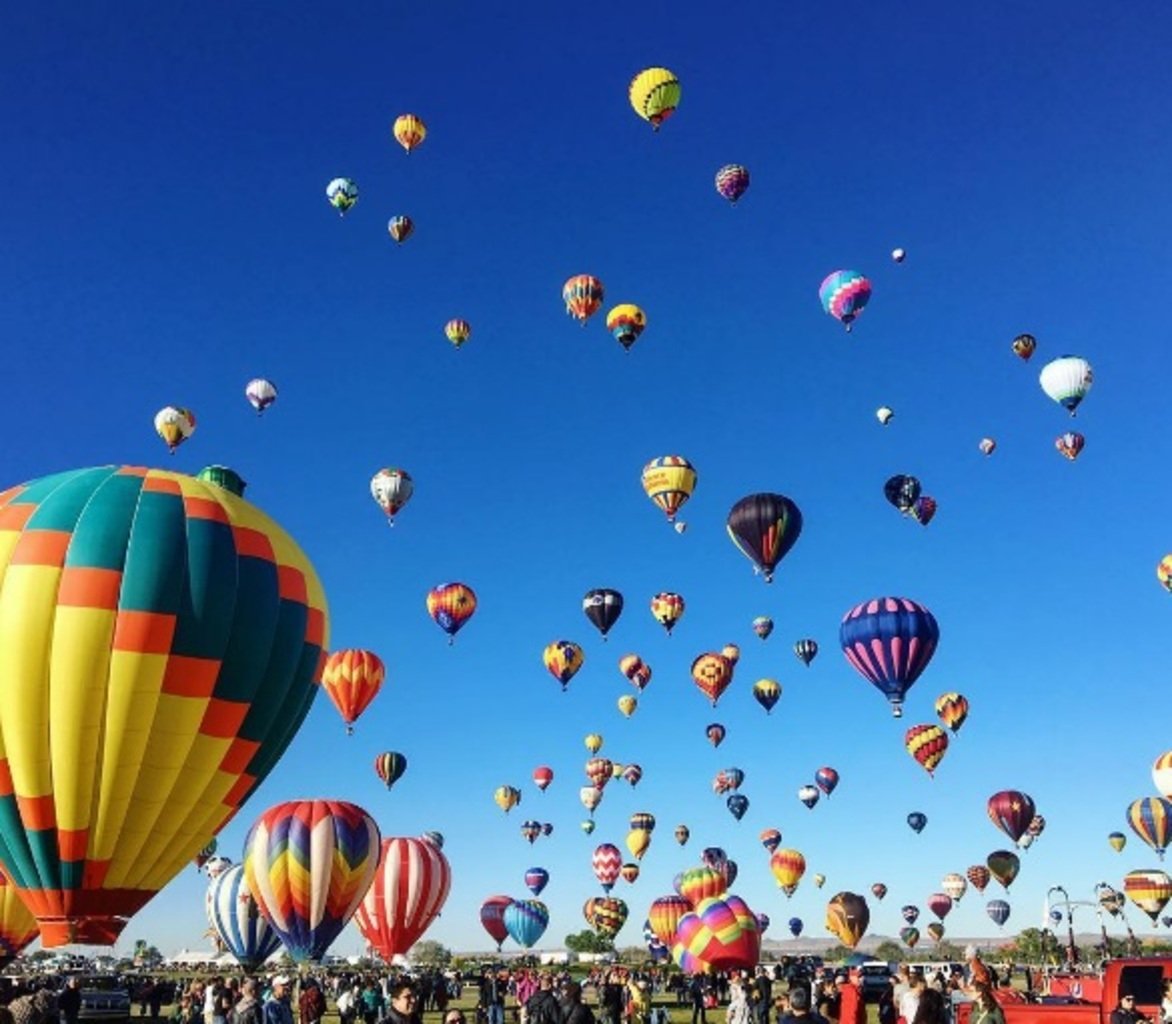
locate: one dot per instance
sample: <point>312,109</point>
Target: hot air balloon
<point>898,255</point>
<point>916,821</point>
<point>435,838</point>
<point>762,923</point>
<point>352,680</point>
<point>940,904</point>
<point>844,293</point>
<point>626,322</point>
<point>582,295</point>
<point>632,773</point>
<point>1024,345</point>
<point>391,489</point>
<point>808,795</point>
<point>655,94</point>
<point>787,866</point>
<point>1004,866</point>
<point>712,673</point>
<point>924,510</point>
<point>457,331</point>
<point>492,917</point>
<point>225,477</point>
<point>531,830</point>
<point>593,742</point>
<point>927,744</point>
<point>390,767</point>
<point>1109,899</point>
<point>910,913</point>
<point>1067,380</point>
<point>260,393</point>
<point>308,864</point>
<point>1070,445</point>
<point>889,641</point>
<point>732,652</point>
<point>627,704</point>
<point>174,425</point>
<point>1162,774</point>
<point>600,770</point>
<point>819,880</point>
<point>1011,811</point>
<point>826,779</point>
<point>636,670</point>
<point>607,862</point>
<point>847,918</point>
<point>728,779</point>
<point>1151,820</point>
<point>902,491</point>
<point>878,890</point>
<point>1117,841</point>
<point>806,651</point>
<point>526,921</point>
<point>1148,890</point>
<point>546,829</point>
<point>642,820</point>
<point>1036,826</point>
<point>763,626</point>
<point>664,916</point>
<point>668,609</point>
<point>732,182</point>
<point>669,482</point>
<point>236,920</point>
<point>952,709</point>
<point>606,915</point>
<point>1164,575</point>
<point>400,228</point>
<point>451,605</point>
<point>998,911</point>
<point>737,805</point>
<point>715,733</point>
<point>409,890</point>
<point>909,936</point>
<point>630,873</point>
<point>542,776</point>
<point>179,633</point>
<point>587,826</point>
<point>767,692</point>
<point>562,659</point>
<point>409,131</point>
<point>935,931</point>
<point>987,446</point>
<point>217,866</point>
<point>770,839</point>
<point>979,876</point>
<point>954,886</point>
<point>506,797</point>
<point>342,194</point>
<point>795,926</point>
<point>638,839</point>
<point>201,858</point>
<point>603,608</point>
<point>764,527</point>
<point>717,935</point>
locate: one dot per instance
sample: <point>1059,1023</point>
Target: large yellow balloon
<point>160,642</point>
<point>409,131</point>
<point>17,926</point>
<point>655,94</point>
<point>638,839</point>
<point>669,482</point>
<point>506,797</point>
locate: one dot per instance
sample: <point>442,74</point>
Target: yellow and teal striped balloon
<point>160,642</point>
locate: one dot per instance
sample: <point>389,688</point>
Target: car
<point>874,980</point>
<point>103,998</point>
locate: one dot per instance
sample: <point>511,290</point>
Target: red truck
<point>1090,999</point>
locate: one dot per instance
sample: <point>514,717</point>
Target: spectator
<point>312,1004</point>
<point>542,1006</point>
<point>851,1009</point>
<point>931,1008</point>
<point>277,1008</point>
<point>574,1011</point>
<point>1125,1012</point>
<point>69,1000</point>
<point>799,1008</point>
<point>404,1008</point>
<point>247,1009</point>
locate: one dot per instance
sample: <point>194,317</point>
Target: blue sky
<point>168,238</point>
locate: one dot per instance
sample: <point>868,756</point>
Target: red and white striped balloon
<point>409,890</point>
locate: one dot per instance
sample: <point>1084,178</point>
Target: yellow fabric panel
<point>133,693</point>
<point>77,696</point>
<point>8,539</point>
<point>27,604</point>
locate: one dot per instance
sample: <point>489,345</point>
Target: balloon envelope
<point>236,919</point>
<point>408,892</point>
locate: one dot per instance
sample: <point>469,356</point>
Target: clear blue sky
<point>167,238</point>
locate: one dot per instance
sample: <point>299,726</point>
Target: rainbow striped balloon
<point>308,864</point>
<point>844,293</point>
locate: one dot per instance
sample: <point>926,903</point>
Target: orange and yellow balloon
<point>409,131</point>
<point>352,679</point>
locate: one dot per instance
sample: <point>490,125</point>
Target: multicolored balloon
<point>236,920</point>
<point>492,917</point>
<point>542,776</point>
<point>732,182</point>
<point>952,709</point>
<point>712,673</point>
<point>400,228</point>
<point>391,489</point>
<point>1162,774</point>
<point>308,864</point>
<point>910,913</point>
<point>978,875</point>
<point>788,867</point>
<point>1150,818</point>
<point>715,733</point>
<point>682,834</point>
<point>954,885</point>
<point>765,527</point>
<point>506,797</point>
<point>909,936</point>
<point>1024,345</point>
<point>409,131</point>
<point>562,660</point>
<point>844,293</point>
<point>935,931</point>
<point>201,858</point>
<point>451,605</point>
<point>260,393</point>
<point>878,890</point>
<point>669,482</point>
<point>718,935</point>
<point>1004,866</point>
<point>606,915</point>
<point>668,609</point>
<point>408,893</point>
<point>767,692</point>
<point>847,918</point>
<point>1148,890</point>
<point>352,679</point>
<point>1070,445</point>
<point>637,671</point>
<point>582,295</point>
<point>607,863</point>
<point>1011,811</point>
<point>927,744</point>
<point>526,921</point>
<point>603,607</point>
<point>1117,841</point>
<point>457,331</point>
<point>808,795</point>
<point>998,911</point>
<point>174,425</point>
<point>626,322</point>
<point>889,641</point>
<point>342,194</point>
<point>806,651</point>
<point>389,767</point>
<point>826,779</point>
<point>924,510</point>
<point>903,492</point>
<point>1164,574</point>
<point>763,626</point>
<point>770,839</point>
<point>987,446</point>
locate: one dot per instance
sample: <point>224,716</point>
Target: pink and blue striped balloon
<point>844,293</point>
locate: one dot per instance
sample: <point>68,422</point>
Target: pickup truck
<point>1143,978</point>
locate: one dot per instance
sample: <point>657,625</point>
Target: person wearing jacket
<point>247,1009</point>
<point>542,1006</point>
<point>851,1009</point>
<point>404,1005</point>
<point>277,1008</point>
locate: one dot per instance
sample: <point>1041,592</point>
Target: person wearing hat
<point>1125,1012</point>
<point>278,1008</point>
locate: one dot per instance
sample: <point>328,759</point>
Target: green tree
<point>429,953</point>
<point>836,954</point>
<point>889,950</point>
<point>587,941</point>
